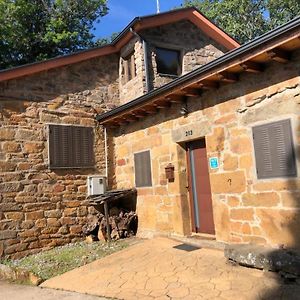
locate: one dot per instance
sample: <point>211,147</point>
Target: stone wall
<point>196,50</point>
<point>245,208</point>
<point>40,207</point>
<point>135,87</point>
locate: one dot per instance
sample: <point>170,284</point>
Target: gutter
<point>233,54</point>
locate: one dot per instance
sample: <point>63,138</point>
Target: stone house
<point>50,140</point>
<point>216,151</point>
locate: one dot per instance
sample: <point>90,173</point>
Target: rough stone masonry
<point>40,207</point>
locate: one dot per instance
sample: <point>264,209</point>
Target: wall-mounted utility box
<point>96,185</point>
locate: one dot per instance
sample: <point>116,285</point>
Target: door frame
<point>194,229</point>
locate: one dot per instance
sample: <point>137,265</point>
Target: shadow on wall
<point>288,286</point>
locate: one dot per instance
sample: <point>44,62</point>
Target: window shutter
<point>70,146</point>
<point>274,151</point>
<point>142,165</point>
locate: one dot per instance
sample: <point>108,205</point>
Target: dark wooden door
<point>199,188</point>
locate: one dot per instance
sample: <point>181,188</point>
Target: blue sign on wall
<point>214,162</point>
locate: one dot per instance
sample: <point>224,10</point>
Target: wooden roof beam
<point>252,67</point>
<point>175,98</point>
<point>192,92</point>
<point>149,110</point>
<point>208,84</point>
<point>279,55</point>
<point>138,114</point>
<point>228,77</point>
<point>130,118</point>
<point>160,104</point>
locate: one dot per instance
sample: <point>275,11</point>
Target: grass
<point>61,259</point>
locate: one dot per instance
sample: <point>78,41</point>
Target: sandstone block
<point>1,249</point>
<point>70,212</point>
<point>76,229</point>
<point>280,226</point>
<point>55,213</point>
<point>82,211</point>
<point>241,145</point>
<point>34,215</point>
<point>14,215</point>
<point>58,188</point>
<point>122,151</point>
<point>16,248</point>
<point>7,234</point>
<point>33,147</point>
<point>49,230</point>
<point>242,214</point>
<point>63,230</point>
<point>67,221</point>
<point>221,220</point>
<point>226,119</point>
<point>121,162</point>
<point>290,199</point>
<point>11,147</point>
<point>229,106</point>
<point>53,222</point>
<point>224,183</point>
<point>230,163</point>
<point>233,201</point>
<point>215,142</point>
<point>28,135</point>
<point>9,187</point>
<point>7,134</point>
<point>6,166</point>
<point>27,224</point>
<point>41,223</point>
<point>277,185</point>
<point>268,199</point>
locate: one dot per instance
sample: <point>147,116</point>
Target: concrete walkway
<point>9,291</point>
<point>154,269</point>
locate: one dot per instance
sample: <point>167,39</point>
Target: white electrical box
<point>96,185</point>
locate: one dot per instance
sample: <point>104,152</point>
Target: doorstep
<point>200,240</point>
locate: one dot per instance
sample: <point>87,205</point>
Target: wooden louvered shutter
<point>142,167</point>
<point>71,146</point>
<point>274,150</point>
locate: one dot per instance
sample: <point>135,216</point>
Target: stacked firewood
<point>122,224</point>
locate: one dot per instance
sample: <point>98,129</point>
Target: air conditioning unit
<point>96,185</point>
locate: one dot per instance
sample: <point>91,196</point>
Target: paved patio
<point>154,269</point>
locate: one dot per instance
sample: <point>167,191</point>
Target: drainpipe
<point>106,153</point>
<point>146,64</point>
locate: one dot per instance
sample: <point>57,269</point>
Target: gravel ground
<point>9,291</point>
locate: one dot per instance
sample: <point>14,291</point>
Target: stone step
<point>277,260</point>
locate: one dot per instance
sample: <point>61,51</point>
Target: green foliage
<point>247,19</point>
<point>40,29</point>
<point>105,41</point>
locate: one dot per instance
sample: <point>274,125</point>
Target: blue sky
<point>121,12</point>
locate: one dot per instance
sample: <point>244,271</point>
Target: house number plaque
<point>189,133</point>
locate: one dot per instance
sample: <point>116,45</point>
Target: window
<point>168,61</point>
<point>129,67</point>
<point>274,151</point>
<point>71,147</point>
<point>142,168</point>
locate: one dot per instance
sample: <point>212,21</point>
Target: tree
<point>281,11</point>
<point>247,19</point>
<point>39,29</point>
